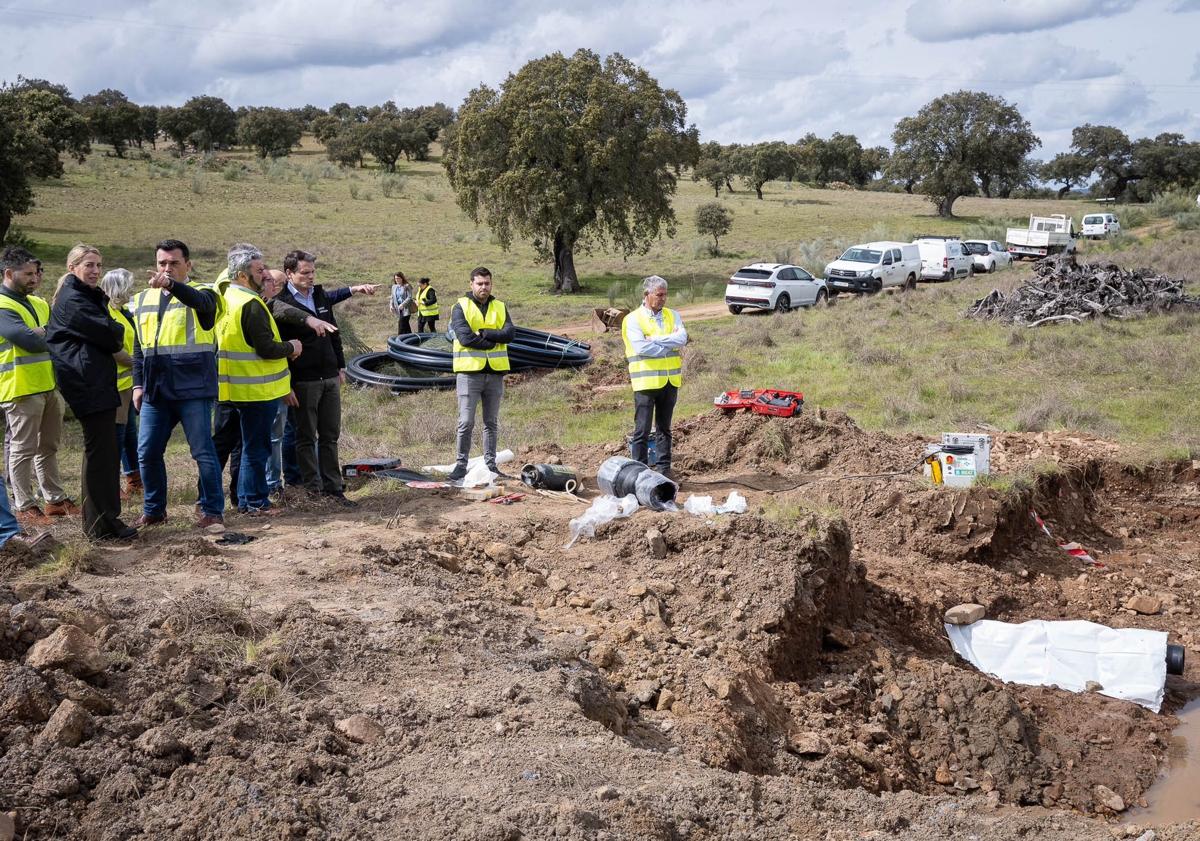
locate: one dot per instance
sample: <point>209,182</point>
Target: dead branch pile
<point>1060,290</point>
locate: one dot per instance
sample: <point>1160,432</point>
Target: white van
<point>874,266</point>
<point>1100,225</point>
<point>944,258</point>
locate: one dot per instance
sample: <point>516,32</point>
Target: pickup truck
<point>1045,235</point>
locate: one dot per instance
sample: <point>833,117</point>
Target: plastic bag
<point>605,509</point>
<point>703,505</point>
<point>502,457</point>
<point>477,476</point>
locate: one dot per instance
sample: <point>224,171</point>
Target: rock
<point>656,543</point>
<point>965,614</point>
<point>158,742</point>
<point>666,699</point>
<point>359,728</point>
<point>1108,798</point>
<point>499,552</point>
<point>806,743</point>
<point>1145,605</point>
<point>841,637</point>
<point>942,776</point>
<point>644,691</point>
<point>8,827</point>
<point>556,584</point>
<point>579,601</point>
<point>1092,686</point>
<point>24,695</point>
<point>164,652</point>
<point>607,793</point>
<point>722,687</point>
<point>636,589</point>
<point>67,726</point>
<point>602,655</point>
<point>55,780</point>
<point>215,528</point>
<point>1148,835</point>
<point>69,649</point>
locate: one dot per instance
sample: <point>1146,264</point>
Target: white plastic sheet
<point>477,476</point>
<point>603,510</point>
<point>502,457</point>
<point>1131,664</point>
<point>703,505</point>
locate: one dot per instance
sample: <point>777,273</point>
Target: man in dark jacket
<point>317,376</point>
<point>82,338</point>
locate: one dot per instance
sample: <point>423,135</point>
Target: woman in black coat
<point>83,338</point>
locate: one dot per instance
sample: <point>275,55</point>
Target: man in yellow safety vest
<point>427,308</point>
<point>32,407</point>
<point>482,330</point>
<point>252,370</point>
<point>653,336</point>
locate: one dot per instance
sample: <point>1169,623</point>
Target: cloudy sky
<point>749,71</point>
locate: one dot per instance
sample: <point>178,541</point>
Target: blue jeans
<point>291,464</point>
<point>157,423</point>
<point>275,463</point>
<point>9,527</point>
<point>258,417</point>
<point>127,443</point>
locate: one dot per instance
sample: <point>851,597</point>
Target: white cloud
<point>949,20</point>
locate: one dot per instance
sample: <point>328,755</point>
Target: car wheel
<point>876,286</point>
<point>910,284</point>
<point>735,310</point>
<point>783,303</point>
<point>991,268</point>
<point>821,298</point>
<point>971,271</point>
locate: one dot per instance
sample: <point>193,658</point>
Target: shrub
<point>391,184</point>
<point>354,190</point>
<point>197,183</point>
<point>232,171</point>
<point>1189,221</point>
<point>1165,205</point>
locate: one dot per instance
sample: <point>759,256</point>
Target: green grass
<point>897,362</point>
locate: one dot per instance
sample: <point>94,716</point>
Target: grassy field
<point>900,362</point>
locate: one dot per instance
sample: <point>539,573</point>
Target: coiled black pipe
<point>530,349</point>
<point>363,370</point>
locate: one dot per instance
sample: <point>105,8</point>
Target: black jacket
<point>322,358</point>
<point>83,337</point>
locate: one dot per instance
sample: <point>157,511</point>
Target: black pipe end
<point>1175,657</point>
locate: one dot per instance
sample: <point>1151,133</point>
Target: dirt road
<point>693,312</point>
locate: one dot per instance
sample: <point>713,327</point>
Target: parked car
<point>773,286</point>
<point>943,258</point>
<point>1100,225</point>
<point>1045,235</point>
<point>987,254</point>
<point>874,266</point>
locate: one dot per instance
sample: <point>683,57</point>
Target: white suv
<point>987,254</point>
<point>944,258</point>
<point>773,286</point>
<point>1100,225</point>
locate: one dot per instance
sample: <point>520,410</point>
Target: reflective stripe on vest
<point>179,331</point>
<point>242,375</point>
<point>124,372</point>
<point>427,310</point>
<point>23,372</point>
<point>650,372</point>
<point>469,360</point>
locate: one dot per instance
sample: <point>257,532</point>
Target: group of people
<point>251,366</point>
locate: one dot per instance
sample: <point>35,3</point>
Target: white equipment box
<point>959,459</point>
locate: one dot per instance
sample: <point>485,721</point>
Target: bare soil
<point>779,674</point>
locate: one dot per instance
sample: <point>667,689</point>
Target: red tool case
<point>762,401</point>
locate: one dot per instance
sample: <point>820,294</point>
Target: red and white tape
<point>1073,549</point>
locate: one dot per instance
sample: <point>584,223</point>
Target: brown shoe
<point>62,509</point>
<point>149,520</point>
<point>133,485</point>
<point>38,544</point>
<point>33,516</point>
<point>209,520</point>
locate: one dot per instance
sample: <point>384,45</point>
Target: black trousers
<point>227,438</point>
<point>404,325</point>
<point>653,409</point>
<point>101,478</point>
<point>427,323</point>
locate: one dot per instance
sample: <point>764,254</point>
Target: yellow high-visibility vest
<point>179,331</point>
<point>124,372</point>
<point>23,373</point>
<point>242,375</point>
<point>468,360</point>
<point>423,309</point>
<point>647,373</point>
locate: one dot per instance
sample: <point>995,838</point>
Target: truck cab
<point>1045,235</point>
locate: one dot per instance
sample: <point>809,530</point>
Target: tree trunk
<point>985,184</point>
<point>565,279</point>
<point>729,185</point>
<point>717,191</point>
<point>758,189</point>
<point>1062,192</point>
<point>5,222</point>
<point>946,206</point>
<point>909,184</point>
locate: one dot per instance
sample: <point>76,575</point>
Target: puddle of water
<point>1175,797</point>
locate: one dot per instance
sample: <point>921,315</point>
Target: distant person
<point>83,339</point>
<point>32,407</point>
<point>482,330</point>
<point>654,336</point>
<point>175,379</point>
<point>427,307</point>
<point>252,370</point>
<point>117,285</point>
<point>402,303</point>
<point>317,377</point>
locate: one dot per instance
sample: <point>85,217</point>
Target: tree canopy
<point>959,145</point>
<point>715,220</point>
<point>571,152</point>
<point>271,131</point>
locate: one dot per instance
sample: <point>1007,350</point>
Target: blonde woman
<point>84,339</point>
<point>118,285</point>
<point>32,407</point>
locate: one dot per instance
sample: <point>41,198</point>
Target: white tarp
<point>1129,663</point>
